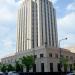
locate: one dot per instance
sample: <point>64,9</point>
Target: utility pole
<point>61,52</point>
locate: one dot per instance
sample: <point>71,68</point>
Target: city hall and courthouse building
<point>37,35</point>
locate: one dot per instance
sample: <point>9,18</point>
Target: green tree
<point>0,66</point>
<point>64,62</point>
<point>28,62</point>
<point>74,66</point>
<point>4,68</point>
<point>19,67</point>
<point>10,68</point>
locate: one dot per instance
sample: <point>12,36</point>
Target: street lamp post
<point>60,52</point>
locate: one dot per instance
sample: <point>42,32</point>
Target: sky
<point>65,12</point>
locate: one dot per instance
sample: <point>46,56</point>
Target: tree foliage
<point>0,66</point>
<point>19,67</point>
<point>28,62</point>
<point>4,68</point>
<point>64,62</point>
<point>25,61</point>
<point>10,68</point>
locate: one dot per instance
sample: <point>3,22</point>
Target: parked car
<point>12,73</point>
<point>1,73</point>
<point>71,74</point>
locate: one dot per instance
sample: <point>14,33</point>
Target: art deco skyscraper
<point>36,25</point>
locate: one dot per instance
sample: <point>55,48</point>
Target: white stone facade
<point>36,25</point>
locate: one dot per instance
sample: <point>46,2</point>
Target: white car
<point>1,73</point>
<point>12,73</point>
<point>71,74</point>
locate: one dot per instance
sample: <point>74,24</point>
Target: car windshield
<point>13,73</point>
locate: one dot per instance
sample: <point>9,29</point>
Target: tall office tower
<point>36,25</point>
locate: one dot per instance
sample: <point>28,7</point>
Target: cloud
<point>54,1</point>
<point>71,7</point>
<point>67,23</point>
<point>8,9</point>
<point>7,44</point>
<point>8,47</point>
<point>6,15</point>
<point>66,28</point>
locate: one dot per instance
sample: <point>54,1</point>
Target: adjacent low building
<point>71,48</point>
<point>47,59</point>
<point>9,59</point>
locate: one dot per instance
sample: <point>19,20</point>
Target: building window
<point>41,55</point>
<point>11,60</point>
<point>8,61</point>
<point>71,57</point>
<point>59,67</point>
<point>51,67</point>
<point>35,56</point>
<point>56,55</point>
<point>50,54</point>
<point>33,44</point>
<point>42,67</point>
<point>67,57</point>
<point>70,67</point>
<point>34,68</point>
